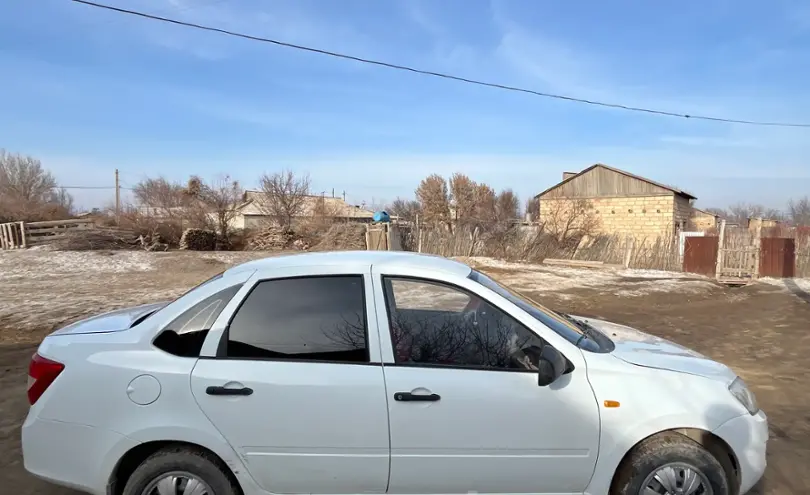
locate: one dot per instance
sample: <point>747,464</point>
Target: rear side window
<point>185,335</point>
<point>310,318</point>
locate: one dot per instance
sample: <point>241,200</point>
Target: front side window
<point>590,340</point>
<point>437,324</point>
<point>308,318</point>
<point>185,335</point>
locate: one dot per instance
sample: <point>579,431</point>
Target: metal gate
<point>778,257</point>
<point>700,255</point>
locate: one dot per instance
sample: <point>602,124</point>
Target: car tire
<point>182,461</point>
<point>668,450</point>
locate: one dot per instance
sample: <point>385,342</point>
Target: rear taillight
<point>41,373</point>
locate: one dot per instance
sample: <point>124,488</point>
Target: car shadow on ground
<point>797,291</point>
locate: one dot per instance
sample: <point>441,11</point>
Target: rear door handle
<point>409,397</point>
<point>213,390</point>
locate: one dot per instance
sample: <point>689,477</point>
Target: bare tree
<point>463,194</point>
<point>23,178</point>
<point>799,211</point>
<point>533,208</point>
<point>28,191</point>
<point>741,212</point>
<point>507,206</point>
<point>570,219</point>
<point>485,206</point>
<point>219,200</point>
<point>433,197</point>
<point>284,196</point>
<point>161,197</point>
<point>404,209</point>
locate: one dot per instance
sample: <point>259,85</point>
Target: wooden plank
<point>47,230</point>
<point>721,245</point>
<point>33,241</point>
<point>55,223</point>
<point>22,235</point>
<point>8,236</point>
<point>3,243</point>
<point>578,263</point>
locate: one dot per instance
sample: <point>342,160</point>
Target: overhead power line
<point>436,74</point>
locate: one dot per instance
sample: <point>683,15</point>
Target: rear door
<point>294,382</point>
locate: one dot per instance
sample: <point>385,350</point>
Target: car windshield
<point>559,323</point>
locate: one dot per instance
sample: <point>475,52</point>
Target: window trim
<point>385,279</point>
<point>222,345</point>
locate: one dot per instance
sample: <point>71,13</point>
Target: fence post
<point>3,244</point>
<point>22,235</point>
<point>718,268</point>
<point>757,250</point>
<point>629,242</point>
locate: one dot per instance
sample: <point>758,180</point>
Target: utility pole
<point>344,196</point>
<point>333,192</point>
<point>117,198</point>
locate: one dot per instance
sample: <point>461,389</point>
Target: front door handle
<point>213,390</point>
<point>409,397</point>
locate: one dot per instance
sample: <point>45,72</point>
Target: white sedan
<point>380,372</point>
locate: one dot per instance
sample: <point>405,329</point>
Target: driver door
<point>466,412</point>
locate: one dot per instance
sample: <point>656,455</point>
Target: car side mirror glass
<point>551,365</point>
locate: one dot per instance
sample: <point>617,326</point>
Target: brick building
<point>613,201</point>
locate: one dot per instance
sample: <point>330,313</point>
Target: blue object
<point>381,216</point>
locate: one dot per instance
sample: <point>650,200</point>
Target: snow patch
<point>17,264</point>
<point>786,283</point>
<point>547,278</point>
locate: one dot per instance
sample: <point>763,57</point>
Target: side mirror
<point>551,365</point>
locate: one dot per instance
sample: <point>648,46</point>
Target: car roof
<point>389,260</point>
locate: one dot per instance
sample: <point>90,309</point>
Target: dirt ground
<point>762,331</point>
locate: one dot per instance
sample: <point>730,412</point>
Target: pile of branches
<point>271,239</point>
<point>198,240</point>
<point>343,237</point>
<point>95,239</point>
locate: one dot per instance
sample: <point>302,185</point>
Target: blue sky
<point>87,91</point>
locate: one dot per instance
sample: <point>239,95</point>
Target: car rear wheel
<point>180,471</point>
<point>670,464</point>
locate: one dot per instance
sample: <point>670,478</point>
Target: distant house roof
<point>715,215</point>
<point>333,207</point>
<point>679,192</point>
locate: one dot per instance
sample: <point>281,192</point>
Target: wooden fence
<point>20,235</point>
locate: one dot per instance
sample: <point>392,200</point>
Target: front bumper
<point>747,436</point>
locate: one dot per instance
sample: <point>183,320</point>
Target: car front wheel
<point>180,471</point>
<point>670,464</point>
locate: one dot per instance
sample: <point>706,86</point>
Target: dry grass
<point>534,245</point>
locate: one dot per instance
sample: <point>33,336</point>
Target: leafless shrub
<point>404,209</point>
<point>216,202</point>
<point>284,196</point>
<point>161,198</point>
<point>569,220</point>
<point>799,211</point>
<point>740,213</point>
<point>29,192</point>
